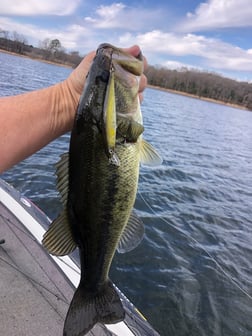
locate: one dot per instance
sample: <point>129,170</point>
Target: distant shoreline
<point>35,58</point>
<point>150,86</point>
<point>198,97</point>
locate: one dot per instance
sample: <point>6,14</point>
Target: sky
<point>210,35</point>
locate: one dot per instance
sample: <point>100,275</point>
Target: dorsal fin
<point>62,176</point>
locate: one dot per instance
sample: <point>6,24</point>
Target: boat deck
<point>36,288</point>
<point>31,303</point>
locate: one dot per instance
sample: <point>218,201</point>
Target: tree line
<point>49,50</point>
<point>198,83</point>
<point>202,84</point>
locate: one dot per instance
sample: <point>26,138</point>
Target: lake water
<point>192,274</point>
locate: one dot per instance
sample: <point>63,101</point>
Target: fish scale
<point>101,169</point>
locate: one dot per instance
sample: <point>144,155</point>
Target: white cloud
<point>219,14</point>
<point>118,15</point>
<point>168,43</point>
<point>121,25</point>
<point>175,65</point>
<point>71,37</point>
<point>210,52</point>
<point>241,61</point>
<point>107,16</point>
<point>38,7</point>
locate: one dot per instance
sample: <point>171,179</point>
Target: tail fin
<point>86,310</point>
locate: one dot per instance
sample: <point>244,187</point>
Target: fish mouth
<point>121,97</point>
<point>132,64</point>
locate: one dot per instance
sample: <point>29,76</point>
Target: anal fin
<point>58,240</point>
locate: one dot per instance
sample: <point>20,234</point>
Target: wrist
<point>65,105</point>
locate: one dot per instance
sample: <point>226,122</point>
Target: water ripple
<point>192,274</point>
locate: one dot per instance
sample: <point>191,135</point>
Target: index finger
<point>135,51</point>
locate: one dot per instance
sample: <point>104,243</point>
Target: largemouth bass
<point>98,183</point>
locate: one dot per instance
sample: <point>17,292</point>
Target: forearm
<point>30,121</point>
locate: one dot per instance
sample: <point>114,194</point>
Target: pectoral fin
<point>148,154</point>
<point>132,234</point>
<point>129,129</point>
<point>134,131</point>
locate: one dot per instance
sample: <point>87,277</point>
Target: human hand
<point>50,111</point>
<point>75,82</point>
<point>135,51</point>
